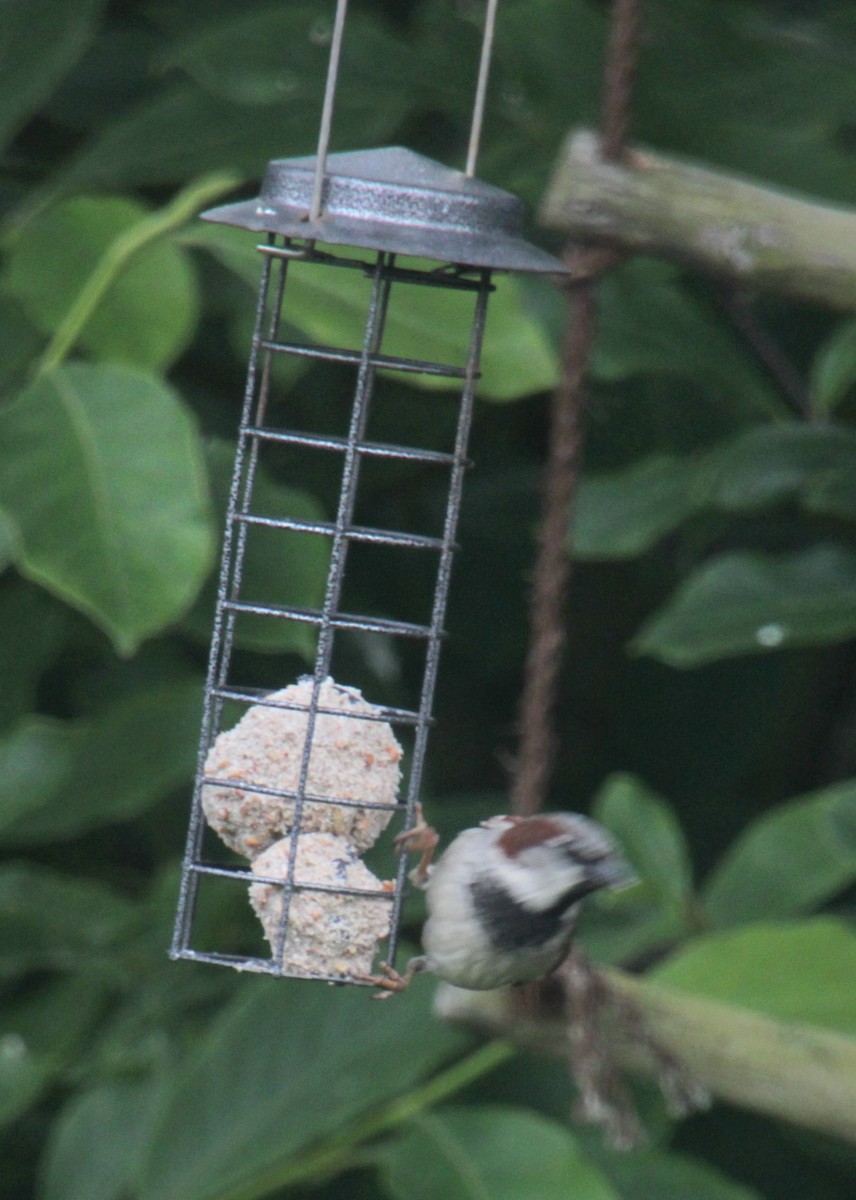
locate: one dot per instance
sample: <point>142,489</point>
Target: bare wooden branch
<point>799,1073</point>
<point>753,235</point>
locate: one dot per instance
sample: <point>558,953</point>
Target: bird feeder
<point>309,777</point>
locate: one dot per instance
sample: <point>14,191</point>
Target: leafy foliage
<point>65,773</point>
<point>650,836</point>
<point>300,1067</point>
<point>331,311</point>
<point>799,972</point>
<point>707,713</point>
<point>796,856</point>
<point>31,67</point>
<point>743,603</point>
<point>146,318</point>
<point>489,1152</point>
<point>87,448</point>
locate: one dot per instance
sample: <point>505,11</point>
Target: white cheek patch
<point>539,878</point>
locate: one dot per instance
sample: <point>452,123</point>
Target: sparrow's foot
<point>421,839</point>
<point>390,981</point>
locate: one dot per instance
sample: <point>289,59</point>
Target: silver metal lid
<point>393,199</point>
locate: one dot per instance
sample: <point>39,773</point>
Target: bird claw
<point>390,981</point>
<point>421,839</point>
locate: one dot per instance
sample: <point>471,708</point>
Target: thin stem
<point>790,383</point>
<point>115,258</point>
<point>339,1152</point>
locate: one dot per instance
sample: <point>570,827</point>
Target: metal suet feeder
<point>308,779</point>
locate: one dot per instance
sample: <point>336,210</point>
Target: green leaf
<point>36,627</point>
<point>279,54</point>
<point>832,493</point>
<point>63,778</point>
<point>236,249</point>
<point>301,1061</point>
<point>130,756</point>
<point>8,541</point>
<point>531,83</point>
<point>101,471</point>
<point>650,323</point>
<point>331,308</point>
<point>746,603</point>
<point>657,1175</point>
<point>491,1153</point>
<point>795,971</point>
<point>771,463</point>
<point>281,567</point>
<point>650,836</point>
<point>790,860</point>
<point>626,927</point>
<point>97,1142</point>
<point>255,100</point>
<point>20,341</point>
<point>40,40</point>
<point>833,372</point>
<point>756,56</point>
<point>180,133</point>
<point>624,513</point>
<point>35,762</point>
<point>42,1029</point>
<point>148,314</point>
<point>115,72</point>
<point>52,922</point>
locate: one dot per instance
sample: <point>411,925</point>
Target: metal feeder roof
<point>393,199</point>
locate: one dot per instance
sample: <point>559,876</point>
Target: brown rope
<point>619,75</point>
<point>601,1094</point>
<point>552,565</point>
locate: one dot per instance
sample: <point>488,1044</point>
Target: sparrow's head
<point>554,859</point>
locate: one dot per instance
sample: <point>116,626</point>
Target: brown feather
<point>526,832</point>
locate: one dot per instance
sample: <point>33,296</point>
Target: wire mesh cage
<point>313,774</point>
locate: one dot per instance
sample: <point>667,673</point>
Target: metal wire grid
<point>253,433</point>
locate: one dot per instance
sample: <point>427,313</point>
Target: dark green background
<point>709,510</point>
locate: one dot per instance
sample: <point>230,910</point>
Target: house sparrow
<point>503,898</point>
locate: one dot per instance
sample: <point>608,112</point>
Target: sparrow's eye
<point>601,862</point>
<point>579,850</point>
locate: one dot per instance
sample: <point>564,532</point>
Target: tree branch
<point>796,1072</point>
<point>756,236</point>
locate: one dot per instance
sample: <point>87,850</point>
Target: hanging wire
<point>327,110</point>
<point>476,124</point>
<point>481,88</point>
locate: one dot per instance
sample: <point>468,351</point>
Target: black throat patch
<point>510,925</point>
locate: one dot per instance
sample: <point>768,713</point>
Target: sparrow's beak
<point>612,872</point>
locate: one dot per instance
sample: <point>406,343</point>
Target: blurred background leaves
<point>708,708</point>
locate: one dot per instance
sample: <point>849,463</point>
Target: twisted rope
<point>552,571</point>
